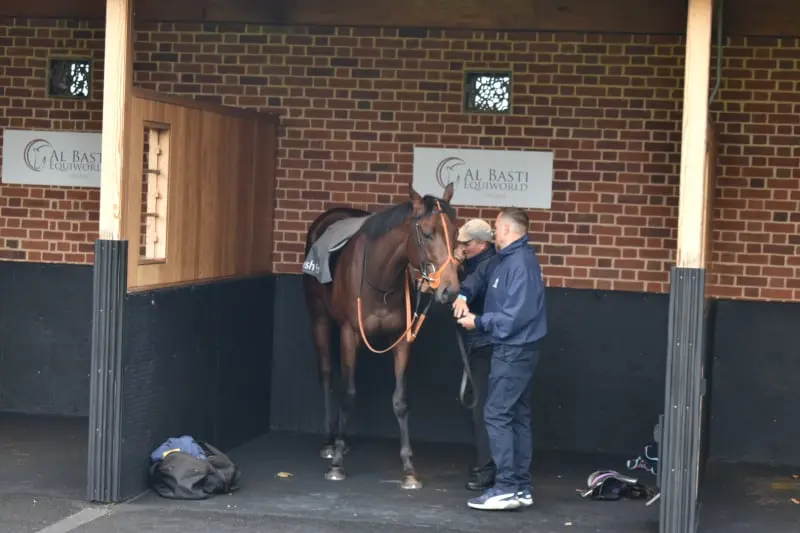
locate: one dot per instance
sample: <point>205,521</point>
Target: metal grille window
<point>488,92</point>
<point>69,77</point>
<point>155,186</point>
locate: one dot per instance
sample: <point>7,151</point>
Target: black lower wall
<point>599,386</point>
<point>196,362</point>
<point>45,338</point>
<point>755,392</point>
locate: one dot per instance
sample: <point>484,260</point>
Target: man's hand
<point>460,308</point>
<point>467,322</point>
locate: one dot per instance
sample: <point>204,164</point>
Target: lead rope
<point>466,374</point>
<point>407,333</point>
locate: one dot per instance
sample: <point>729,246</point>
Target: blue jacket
<point>514,309</point>
<point>471,278</point>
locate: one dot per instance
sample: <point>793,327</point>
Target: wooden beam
<point>640,16</point>
<point>742,17</point>
<point>531,15</point>
<point>117,83</point>
<point>69,9</point>
<point>693,201</point>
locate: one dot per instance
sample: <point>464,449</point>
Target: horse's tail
<point>312,233</point>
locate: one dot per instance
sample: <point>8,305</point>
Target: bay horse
<point>370,294</point>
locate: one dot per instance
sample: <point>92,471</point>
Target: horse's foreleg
<point>400,405</point>
<point>349,348</point>
<point>322,339</point>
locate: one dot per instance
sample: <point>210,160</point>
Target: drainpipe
<point>719,53</point>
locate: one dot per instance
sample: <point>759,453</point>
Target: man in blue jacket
<point>515,318</point>
<point>475,243</point>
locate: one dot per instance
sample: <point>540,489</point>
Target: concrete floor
<point>370,498</point>
<point>44,461</point>
<point>42,469</point>
<point>742,498</point>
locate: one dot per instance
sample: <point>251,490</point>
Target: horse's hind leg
<point>400,406</point>
<point>322,340</point>
<point>349,347</point>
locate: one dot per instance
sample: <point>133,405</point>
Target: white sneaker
<point>525,497</point>
<point>495,500</point>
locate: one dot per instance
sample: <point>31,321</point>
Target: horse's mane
<point>385,221</point>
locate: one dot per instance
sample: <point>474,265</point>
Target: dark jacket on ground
<point>514,307</point>
<point>474,293</point>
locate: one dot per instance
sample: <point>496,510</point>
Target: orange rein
<point>415,323</point>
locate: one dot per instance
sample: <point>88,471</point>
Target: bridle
<point>428,273</point>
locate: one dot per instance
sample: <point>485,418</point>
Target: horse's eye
<point>428,236</point>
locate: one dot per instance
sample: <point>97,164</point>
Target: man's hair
<point>517,217</point>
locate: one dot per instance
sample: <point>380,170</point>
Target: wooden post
<point>693,213</point>
<point>117,82</point>
<point>105,461</point>
<point>684,395</point>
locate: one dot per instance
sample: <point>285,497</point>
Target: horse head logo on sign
<point>446,172</point>
<point>36,153</point>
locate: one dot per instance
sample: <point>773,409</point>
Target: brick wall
<point>49,224</point>
<point>356,100</point>
<point>757,215</point>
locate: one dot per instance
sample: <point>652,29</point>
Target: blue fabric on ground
<point>185,443</point>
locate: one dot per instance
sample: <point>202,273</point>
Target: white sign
<point>488,178</point>
<point>36,157</point>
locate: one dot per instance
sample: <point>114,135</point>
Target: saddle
<point>611,485</point>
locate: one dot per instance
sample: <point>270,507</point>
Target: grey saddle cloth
<point>333,239</point>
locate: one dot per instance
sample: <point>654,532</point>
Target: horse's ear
<point>416,199</point>
<point>448,192</point>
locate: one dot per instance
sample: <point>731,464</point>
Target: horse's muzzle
<point>446,295</point>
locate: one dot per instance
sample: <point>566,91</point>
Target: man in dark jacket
<point>514,316</point>
<point>475,242</point>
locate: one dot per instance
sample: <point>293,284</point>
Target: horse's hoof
<point>326,452</point>
<point>335,474</point>
<point>410,483</point>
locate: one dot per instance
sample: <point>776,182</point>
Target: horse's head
<point>432,243</point>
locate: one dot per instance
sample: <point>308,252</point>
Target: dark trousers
<point>480,359</point>
<point>508,414</point>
